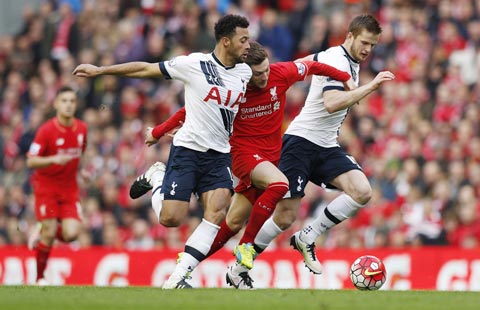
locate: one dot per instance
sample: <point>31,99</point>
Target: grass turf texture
<point>138,298</point>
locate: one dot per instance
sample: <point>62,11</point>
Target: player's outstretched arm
<point>337,100</point>
<point>136,69</point>
<point>319,68</point>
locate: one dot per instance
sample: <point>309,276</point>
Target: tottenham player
<point>55,155</point>
<point>199,159</point>
<point>256,144</point>
<point>311,152</point>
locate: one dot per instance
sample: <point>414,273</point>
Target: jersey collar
<point>219,62</point>
<point>348,55</point>
<point>63,128</point>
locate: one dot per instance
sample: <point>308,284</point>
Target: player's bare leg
<point>237,215</point>
<point>70,229</point>
<point>268,177</point>
<point>357,193</point>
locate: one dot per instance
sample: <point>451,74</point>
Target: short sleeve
<point>177,68</point>
<point>39,143</point>
<point>337,61</point>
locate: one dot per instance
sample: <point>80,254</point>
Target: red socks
<point>224,234</point>
<point>43,252</point>
<point>263,209</point>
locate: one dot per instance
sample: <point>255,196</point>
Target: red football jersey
<point>53,138</point>
<point>258,123</point>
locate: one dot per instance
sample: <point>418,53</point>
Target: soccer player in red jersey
<point>256,145</point>
<point>55,155</point>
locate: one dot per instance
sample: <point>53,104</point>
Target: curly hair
<point>226,26</point>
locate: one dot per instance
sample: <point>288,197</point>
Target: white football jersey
<point>213,94</point>
<point>314,123</point>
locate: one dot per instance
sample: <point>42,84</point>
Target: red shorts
<point>243,164</point>
<point>57,204</point>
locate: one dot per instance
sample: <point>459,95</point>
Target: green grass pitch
<point>115,298</point>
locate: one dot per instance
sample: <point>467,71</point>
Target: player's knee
<point>363,194</point>
<point>285,219</point>
<point>215,216</point>
<point>170,220</point>
<point>235,223</point>
<point>173,213</point>
<point>70,236</point>
<point>48,235</point>
<point>48,231</point>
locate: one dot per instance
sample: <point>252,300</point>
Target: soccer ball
<point>368,273</point>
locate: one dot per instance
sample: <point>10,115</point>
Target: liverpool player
<point>256,144</point>
<point>55,155</point>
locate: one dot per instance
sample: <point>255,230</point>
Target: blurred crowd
<point>417,138</point>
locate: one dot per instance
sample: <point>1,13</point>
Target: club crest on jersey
<point>60,141</point>
<point>210,71</point>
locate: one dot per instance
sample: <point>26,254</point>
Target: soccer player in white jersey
<point>310,150</point>
<point>199,160</point>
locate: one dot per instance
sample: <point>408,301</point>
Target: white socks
<point>267,233</point>
<point>197,247</point>
<point>340,209</point>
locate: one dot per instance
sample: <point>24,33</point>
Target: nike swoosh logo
<point>372,273</point>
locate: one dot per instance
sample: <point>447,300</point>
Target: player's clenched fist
<point>87,70</point>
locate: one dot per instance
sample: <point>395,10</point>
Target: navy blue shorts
<point>190,171</point>
<point>302,161</point>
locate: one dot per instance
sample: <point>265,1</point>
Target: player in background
<point>256,145</point>
<point>311,152</point>
<point>55,155</point>
<point>199,160</point>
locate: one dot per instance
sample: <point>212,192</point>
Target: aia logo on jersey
<point>60,141</point>
<point>214,95</point>
<point>273,93</point>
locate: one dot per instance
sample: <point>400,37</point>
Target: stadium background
<point>416,138</point>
